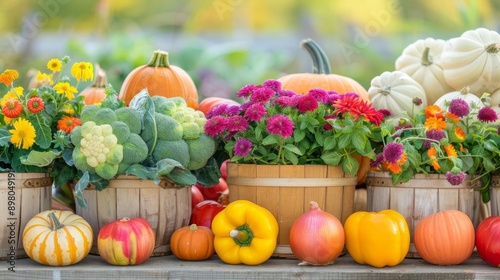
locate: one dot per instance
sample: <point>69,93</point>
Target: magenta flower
<point>385,112</point>
<point>272,84</point>
<point>286,92</point>
<point>327,126</point>
<point>242,147</point>
<point>393,152</point>
<point>215,125</point>
<point>320,94</point>
<point>487,114</point>
<point>455,179</point>
<point>217,110</point>
<point>280,125</point>
<point>255,112</point>
<point>307,103</point>
<point>236,123</point>
<point>232,110</point>
<point>246,91</point>
<point>332,96</point>
<point>262,94</point>
<point>433,134</point>
<point>284,101</point>
<point>377,161</point>
<point>459,107</point>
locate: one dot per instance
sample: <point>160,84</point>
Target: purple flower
<point>433,134</point>
<point>487,114</point>
<point>393,152</point>
<point>455,179</point>
<point>307,103</point>
<point>236,123</point>
<point>350,94</point>
<point>417,101</point>
<point>320,94</point>
<point>215,125</point>
<point>272,84</point>
<point>286,92</point>
<point>377,161</point>
<point>246,91</point>
<point>242,147</point>
<point>262,94</point>
<point>233,110</point>
<point>217,110</point>
<point>459,107</point>
<point>281,125</point>
<point>285,101</point>
<point>255,112</point>
<point>332,96</point>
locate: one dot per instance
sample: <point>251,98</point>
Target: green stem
<point>55,224</point>
<point>242,235</point>
<point>159,59</point>
<point>321,65</point>
<point>426,58</point>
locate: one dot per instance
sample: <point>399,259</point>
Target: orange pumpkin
<point>445,238</point>
<point>160,78</point>
<point>96,92</point>
<point>192,243</point>
<point>210,102</point>
<point>321,77</point>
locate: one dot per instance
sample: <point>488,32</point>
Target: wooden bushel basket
<point>22,196</point>
<point>420,197</point>
<point>165,208</point>
<point>286,190</point>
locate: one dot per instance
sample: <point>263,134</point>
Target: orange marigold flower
<point>460,133</point>
<point>402,160</point>
<point>67,124</point>
<point>435,123</point>
<point>450,151</point>
<point>12,108</point>
<point>394,168</point>
<point>8,76</point>
<point>453,117</point>
<point>432,153</point>
<point>433,111</point>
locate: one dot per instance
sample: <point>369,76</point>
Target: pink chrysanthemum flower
<point>262,94</point>
<point>255,112</point>
<point>217,110</point>
<point>286,92</point>
<point>236,123</point>
<point>280,125</point>
<point>307,103</point>
<point>242,147</point>
<point>459,107</point>
<point>215,125</point>
<point>320,94</point>
<point>487,114</point>
<point>455,179</point>
<point>393,152</point>
<point>272,84</point>
<point>232,110</point>
<point>246,91</point>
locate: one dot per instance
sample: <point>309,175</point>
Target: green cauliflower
<point>176,150</point>
<point>131,117</point>
<point>200,150</point>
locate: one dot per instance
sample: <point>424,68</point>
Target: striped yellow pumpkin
<point>57,238</point>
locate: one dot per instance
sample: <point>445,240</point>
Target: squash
<point>193,243</point>
<point>126,241</point>
<point>321,77</point>
<point>159,77</point>
<point>445,237</point>
<point>422,61</point>
<point>495,101</point>
<point>473,59</point>
<point>395,91</point>
<point>57,238</point>
<point>210,102</point>
<point>96,92</point>
<point>463,94</point>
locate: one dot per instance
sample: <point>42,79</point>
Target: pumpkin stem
<point>159,59</point>
<point>242,235</point>
<point>55,224</point>
<point>101,80</point>
<point>321,65</point>
<point>426,58</point>
<point>493,48</point>
<point>193,227</point>
<point>465,90</point>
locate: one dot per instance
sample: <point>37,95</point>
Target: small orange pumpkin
<point>192,243</point>
<point>160,78</point>
<point>445,238</point>
<point>321,77</point>
<point>210,102</point>
<point>96,92</point>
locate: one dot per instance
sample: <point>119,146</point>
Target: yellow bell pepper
<point>244,233</point>
<point>377,239</point>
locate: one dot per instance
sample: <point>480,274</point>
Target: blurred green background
<point>225,44</point>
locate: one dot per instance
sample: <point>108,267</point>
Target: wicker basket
<point>421,196</point>
<point>165,208</point>
<point>286,190</point>
<point>27,194</point>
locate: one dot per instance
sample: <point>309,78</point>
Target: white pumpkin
<point>473,60</point>
<point>395,91</point>
<point>422,61</point>
<point>444,101</point>
<point>495,101</point>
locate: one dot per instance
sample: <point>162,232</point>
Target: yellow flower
<point>23,135</point>
<point>435,123</point>
<point>54,65</point>
<point>44,78</point>
<point>66,88</point>
<point>82,71</point>
<point>8,76</point>
<point>13,94</point>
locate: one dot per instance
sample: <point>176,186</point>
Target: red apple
<point>213,192</point>
<point>223,169</point>
<point>204,212</point>
<point>196,196</point>
<point>488,240</point>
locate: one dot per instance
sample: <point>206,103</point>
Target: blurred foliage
<point>224,44</point>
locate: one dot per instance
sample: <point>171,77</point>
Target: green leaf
<point>330,143</point>
<point>331,158</point>
<point>359,141</point>
<point>43,134</point>
<point>174,171</point>
<point>272,139</point>
<point>350,166</point>
<point>80,186</point>
<point>4,137</point>
<point>143,172</point>
<point>293,149</point>
<point>291,157</point>
<point>490,145</point>
<point>298,135</point>
<point>143,103</point>
<point>488,164</point>
<point>344,141</point>
<point>40,159</point>
<point>209,174</point>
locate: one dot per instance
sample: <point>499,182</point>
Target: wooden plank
<point>317,194</point>
<point>127,203</point>
<point>448,199</point>
<point>267,196</point>
<point>291,202</point>
<point>149,206</point>
<point>106,206</point>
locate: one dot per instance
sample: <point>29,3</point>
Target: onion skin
<point>317,237</point>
